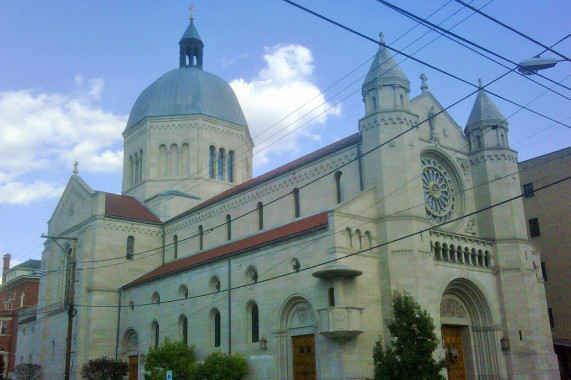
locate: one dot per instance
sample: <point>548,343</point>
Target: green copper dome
<point>188,91</point>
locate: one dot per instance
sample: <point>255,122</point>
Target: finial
<point>424,86</point>
<point>191,13</point>
<point>382,38</point>
<point>480,83</point>
<point>75,171</point>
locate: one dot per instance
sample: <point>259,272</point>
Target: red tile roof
<point>325,151</point>
<point>250,242</point>
<point>124,206</point>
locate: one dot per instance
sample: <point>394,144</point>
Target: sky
<point>70,71</point>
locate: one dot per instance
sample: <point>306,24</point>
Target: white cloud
<point>283,93</point>
<point>41,131</point>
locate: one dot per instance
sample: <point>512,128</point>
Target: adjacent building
<point>18,291</point>
<point>296,268</point>
<point>548,215</point>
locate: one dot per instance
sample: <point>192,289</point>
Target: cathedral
<point>295,269</point>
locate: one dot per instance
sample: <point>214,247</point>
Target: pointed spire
<point>484,112</point>
<point>385,69</point>
<point>191,46</point>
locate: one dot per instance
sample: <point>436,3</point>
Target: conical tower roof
<point>484,112</point>
<point>385,69</point>
<point>191,32</point>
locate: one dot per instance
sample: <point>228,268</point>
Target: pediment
<point>76,204</point>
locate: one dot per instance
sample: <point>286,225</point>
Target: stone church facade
<point>295,269</point>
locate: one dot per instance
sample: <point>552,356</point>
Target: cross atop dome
<point>191,13</point>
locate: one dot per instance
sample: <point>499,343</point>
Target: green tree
<point>28,371</point>
<point>170,356</point>
<point>219,366</point>
<point>104,369</point>
<point>411,352</point>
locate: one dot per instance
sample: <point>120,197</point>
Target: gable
<point>76,204</point>
<point>449,132</point>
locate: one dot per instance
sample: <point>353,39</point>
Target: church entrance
<point>303,353</point>
<point>452,337</point>
<point>134,367</point>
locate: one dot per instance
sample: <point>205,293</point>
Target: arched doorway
<point>470,337</point>
<point>131,352</point>
<point>297,357</point>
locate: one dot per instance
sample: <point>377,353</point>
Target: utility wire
<point>432,25</point>
<point>404,237</point>
<point>512,29</point>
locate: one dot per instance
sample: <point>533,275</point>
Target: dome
<point>188,90</point>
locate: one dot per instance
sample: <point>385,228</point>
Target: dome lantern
<point>191,46</point>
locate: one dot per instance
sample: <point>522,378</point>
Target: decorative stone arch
<point>130,343</point>
<point>296,317</point>
<point>464,305</point>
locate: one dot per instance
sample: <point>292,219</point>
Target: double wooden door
<point>452,336</point>
<point>303,353</point>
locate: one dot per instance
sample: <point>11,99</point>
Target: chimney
<point>6,266</point>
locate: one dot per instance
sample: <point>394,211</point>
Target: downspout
<point>229,308</point>
<point>163,237</point>
<point>118,325</point>
<point>360,163</point>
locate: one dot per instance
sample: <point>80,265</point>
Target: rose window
<point>439,191</point>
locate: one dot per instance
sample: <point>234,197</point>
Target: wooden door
<point>134,367</point>
<point>303,353</point>
<point>452,336</point>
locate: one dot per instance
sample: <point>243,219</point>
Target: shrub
<point>410,354</point>
<point>28,371</point>
<point>170,356</point>
<point>104,369</point>
<point>219,366</point>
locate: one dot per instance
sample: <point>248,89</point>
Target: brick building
<point>19,290</point>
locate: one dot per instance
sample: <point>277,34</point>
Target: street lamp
<point>533,65</point>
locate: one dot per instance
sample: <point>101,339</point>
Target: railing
<point>460,249</point>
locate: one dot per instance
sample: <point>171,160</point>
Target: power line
<point>512,29</point>
<point>260,281</point>
<point>432,25</point>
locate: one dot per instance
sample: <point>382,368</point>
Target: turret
<point>191,47</point>
<point>386,87</point>
<point>486,128</point>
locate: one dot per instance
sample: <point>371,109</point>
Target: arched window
<point>338,187</point>
<point>156,299</point>
<point>260,216</point>
<point>200,238</point>
<point>183,292</point>
<point>349,237</point>
<point>254,323</point>
<point>221,164</point>
<point>215,328</point>
<point>130,248</point>
<point>478,141</point>
<point>162,160</point>
<point>212,162</point>
<point>155,333</point>
<point>296,205</point>
<point>359,238</point>
<point>503,139</point>
<point>331,296</point>
<point>230,166</point>
<point>183,329</point>
<point>374,103</point>
<point>175,245</point>
<point>228,227</point>
<point>140,165</point>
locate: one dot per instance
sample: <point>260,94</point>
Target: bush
<point>410,355</point>
<point>172,356</point>
<point>28,371</point>
<point>219,366</point>
<point>104,369</point>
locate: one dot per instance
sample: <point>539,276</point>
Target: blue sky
<point>70,72</point>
